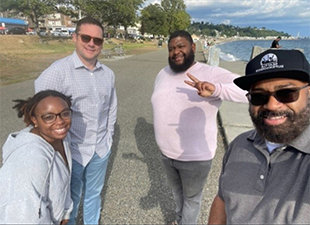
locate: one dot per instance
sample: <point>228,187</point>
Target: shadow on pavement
<point>159,193</point>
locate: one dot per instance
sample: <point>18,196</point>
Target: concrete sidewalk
<point>135,191</point>
<point>234,117</point>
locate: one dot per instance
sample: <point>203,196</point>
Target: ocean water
<point>242,50</point>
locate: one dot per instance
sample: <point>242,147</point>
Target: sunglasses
<point>86,39</point>
<point>51,117</point>
<point>286,95</point>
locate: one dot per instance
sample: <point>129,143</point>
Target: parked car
<point>43,32</point>
<point>15,30</point>
<point>65,33</point>
<point>132,36</point>
<point>2,30</point>
<point>55,33</point>
<point>31,31</point>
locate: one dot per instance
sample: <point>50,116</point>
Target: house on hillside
<point>195,37</point>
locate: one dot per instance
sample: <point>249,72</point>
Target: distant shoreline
<point>222,40</point>
<point>242,48</point>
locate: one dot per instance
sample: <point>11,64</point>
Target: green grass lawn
<point>24,57</point>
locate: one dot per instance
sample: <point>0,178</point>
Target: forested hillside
<point>210,29</point>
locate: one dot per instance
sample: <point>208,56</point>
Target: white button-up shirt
<point>94,104</point>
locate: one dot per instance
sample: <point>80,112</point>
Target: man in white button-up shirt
<point>92,87</point>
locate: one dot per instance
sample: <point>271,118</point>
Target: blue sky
<point>290,16</point>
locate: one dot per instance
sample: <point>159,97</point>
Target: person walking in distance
<point>185,122</point>
<point>94,106</point>
<point>275,43</point>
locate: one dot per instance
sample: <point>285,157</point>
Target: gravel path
<point>135,190</point>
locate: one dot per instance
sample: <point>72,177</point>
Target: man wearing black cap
<point>265,177</point>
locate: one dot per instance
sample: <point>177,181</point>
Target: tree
<point>111,12</point>
<point>98,9</point>
<point>123,12</point>
<point>181,21</point>
<point>153,20</point>
<point>34,9</point>
<point>209,29</point>
<point>128,13</point>
<point>177,18</point>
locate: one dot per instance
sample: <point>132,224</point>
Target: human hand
<point>205,89</point>
<point>63,222</point>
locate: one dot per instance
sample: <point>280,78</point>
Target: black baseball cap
<point>275,63</point>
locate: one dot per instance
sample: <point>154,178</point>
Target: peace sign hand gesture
<point>205,89</point>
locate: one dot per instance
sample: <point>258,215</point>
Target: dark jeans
<point>187,179</point>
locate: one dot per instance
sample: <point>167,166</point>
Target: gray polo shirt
<point>262,188</point>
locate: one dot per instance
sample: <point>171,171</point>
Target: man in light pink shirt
<point>185,122</point>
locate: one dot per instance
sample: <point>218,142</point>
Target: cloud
<point>290,16</point>
<point>226,22</point>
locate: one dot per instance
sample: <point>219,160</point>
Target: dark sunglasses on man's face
<point>286,95</point>
<point>86,38</point>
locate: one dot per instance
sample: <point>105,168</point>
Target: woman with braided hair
<point>35,176</point>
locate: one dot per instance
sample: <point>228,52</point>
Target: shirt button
<point>261,177</point>
<point>91,74</point>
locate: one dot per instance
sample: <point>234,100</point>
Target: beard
<point>286,132</point>
<point>188,62</point>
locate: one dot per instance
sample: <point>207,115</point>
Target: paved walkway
<point>136,190</point>
<point>234,117</point>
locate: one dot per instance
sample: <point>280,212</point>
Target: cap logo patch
<point>269,61</point>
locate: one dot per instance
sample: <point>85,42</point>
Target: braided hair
<point>26,107</point>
